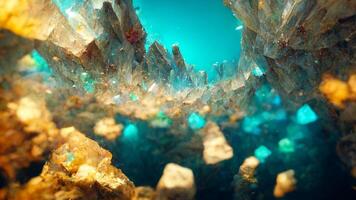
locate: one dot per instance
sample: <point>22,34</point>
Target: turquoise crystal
<point>196,121</point>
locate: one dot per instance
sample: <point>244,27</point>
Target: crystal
<point>285,145</point>
<point>262,153</point>
<point>130,132</point>
<point>196,121</point>
<point>306,115</point>
<point>84,64</point>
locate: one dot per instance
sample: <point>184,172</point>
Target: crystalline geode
<point>111,89</point>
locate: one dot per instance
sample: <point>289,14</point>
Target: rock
<point>346,149</point>
<point>144,193</point>
<point>27,134</point>
<point>245,179</point>
<point>107,128</point>
<point>216,148</point>
<point>285,183</point>
<point>79,169</point>
<point>177,183</point>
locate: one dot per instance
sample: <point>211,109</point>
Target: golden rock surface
<point>79,169</point>
<point>177,182</point>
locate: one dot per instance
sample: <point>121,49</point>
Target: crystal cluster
<point>172,131</point>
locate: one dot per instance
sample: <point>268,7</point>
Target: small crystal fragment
<point>130,132</point>
<point>196,121</point>
<point>306,115</point>
<point>262,153</point>
<point>285,145</point>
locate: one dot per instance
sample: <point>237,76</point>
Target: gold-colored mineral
<point>216,148</point>
<point>177,183</point>
<point>285,183</point>
<point>79,169</point>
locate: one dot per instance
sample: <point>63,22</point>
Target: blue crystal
<point>130,132</point>
<point>251,125</point>
<point>285,145</point>
<point>69,157</point>
<point>257,71</point>
<point>133,96</point>
<point>196,121</point>
<point>306,115</point>
<point>41,65</point>
<point>262,153</point>
<point>88,82</point>
<point>277,100</point>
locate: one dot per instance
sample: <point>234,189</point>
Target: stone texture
<point>285,183</point>
<point>79,169</point>
<point>216,148</point>
<point>177,182</point>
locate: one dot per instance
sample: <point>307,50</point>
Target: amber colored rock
<point>245,179</point>
<point>338,91</point>
<point>27,134</point>
<point>177,183</point>
<point>144,193</point>
<point>79,169</point>
<point>248,168</point>
<point>24,17</point>
<point>107,128</point>
<point>216,148</point>
<point>285,183</point>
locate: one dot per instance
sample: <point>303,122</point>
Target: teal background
<point>204,29</point>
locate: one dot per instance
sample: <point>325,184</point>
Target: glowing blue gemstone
<point>262,153</point>
<point>88,82</point>
<point>84,77</point>
<point>257,71</point>
<point>69,157</point>
<point>285,145</point>
<point>277,100</point>
<point>133,96</point>
<point>89,87</point>
<point>130,132</point>
<point>41,63</point>
<point>196,121</point>
<point>251,125</point>
<point>306,115</point>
